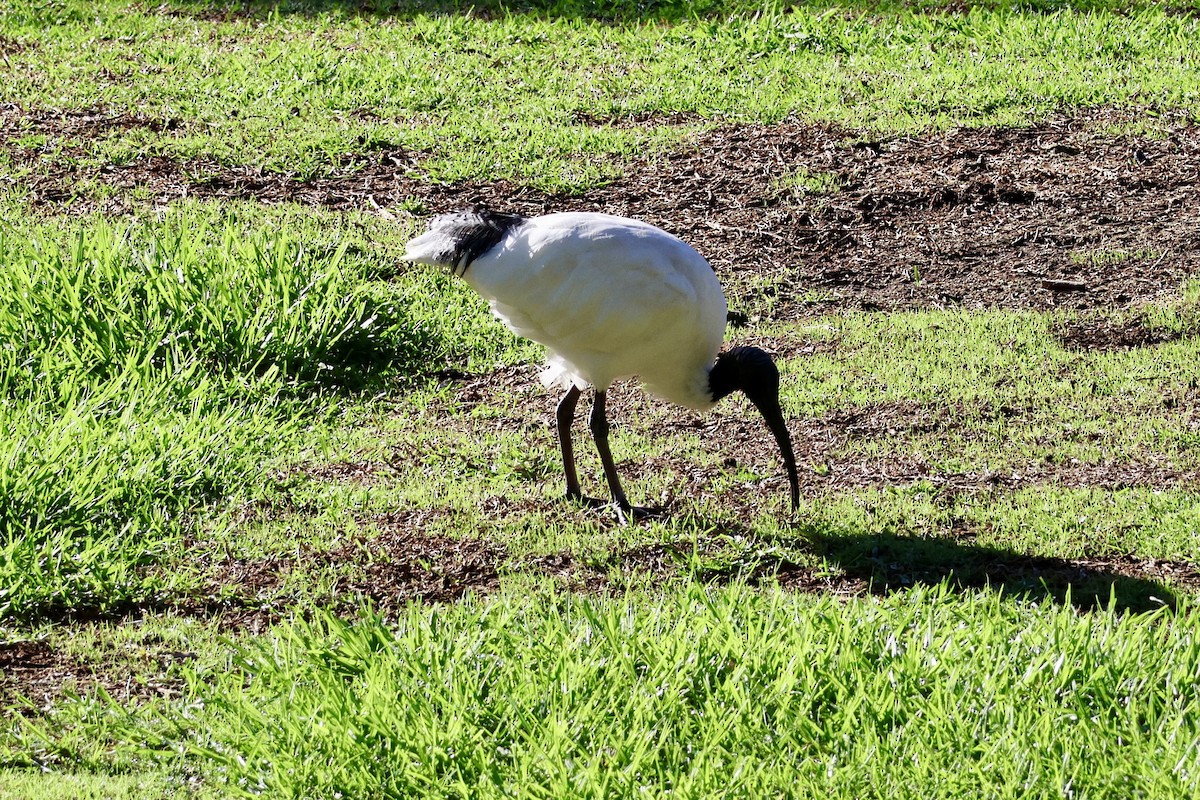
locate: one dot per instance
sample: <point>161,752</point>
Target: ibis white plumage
<point>610,298</point>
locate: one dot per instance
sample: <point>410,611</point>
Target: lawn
<point>281,515</point>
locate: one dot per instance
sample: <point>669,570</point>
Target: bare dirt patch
<point>400,564</point>
<point>801,218</point>
<point>36,671</point>
<point>1106,334</point>
<point>10,46</point>
<point>35,674</point>
<point>78,124</point>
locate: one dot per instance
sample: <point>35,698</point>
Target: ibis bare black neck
<point>753,372</point>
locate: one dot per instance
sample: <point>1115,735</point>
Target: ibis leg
<point>598,422</point>
<point>566,415</point>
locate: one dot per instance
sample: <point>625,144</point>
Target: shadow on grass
<point>889,562</point>
<point>387,347</point>
<point>884,563</point>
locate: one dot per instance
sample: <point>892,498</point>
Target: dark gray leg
<point>599,425</point>
<point>566,415</point>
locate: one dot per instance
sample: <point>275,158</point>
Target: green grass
<point>697,693</point>
<point>150,368</point>
<point>1000,390</point>
<point>18,785</point>
<point>528,96</point>
<point>179,384</point>
<point>704,694</point>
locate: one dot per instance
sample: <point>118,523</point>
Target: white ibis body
<point>610,298</point>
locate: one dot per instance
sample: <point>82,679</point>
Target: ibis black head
<point>753,372</point>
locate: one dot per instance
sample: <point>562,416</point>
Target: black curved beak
<point>772,412</point>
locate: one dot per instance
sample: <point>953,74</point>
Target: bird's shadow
<point>888,562</point>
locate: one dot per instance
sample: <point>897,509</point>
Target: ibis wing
<point>603,299</point>
<point>608,297</point>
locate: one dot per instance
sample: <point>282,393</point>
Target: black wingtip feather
<point>472,232</point>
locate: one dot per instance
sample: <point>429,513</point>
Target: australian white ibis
<point>610,298</point>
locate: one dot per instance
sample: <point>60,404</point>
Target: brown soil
<point>1070,213</point>
<point>402,563</point>
<point>40,674</point>
<point>1066,213</point>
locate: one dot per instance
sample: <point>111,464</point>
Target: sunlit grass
<point>700,692</point>
<point>179,385</point>
<point>148,370</point>
<point>531,96</point>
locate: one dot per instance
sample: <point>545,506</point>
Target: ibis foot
<point>625,513</point>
